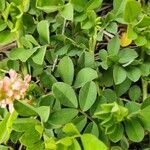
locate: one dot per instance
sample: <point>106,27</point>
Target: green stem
<point>144,88</point>
<point>86,115</point>
<point>92,42</point>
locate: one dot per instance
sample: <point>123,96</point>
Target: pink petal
<point>12,74</point>
<point>9,93</point>
<point>11,107</point>
<point>16,85</point>
<point>6,83</point>
<point>27,78</point>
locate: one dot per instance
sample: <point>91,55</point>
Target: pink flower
<point>12,74</point>
<point>13,88</point>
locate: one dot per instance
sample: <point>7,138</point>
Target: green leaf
<point>110,95</point>
<point>6,37</point>
<point>80,122</point>
<point>38,57</point>
<point>85,75</point>
<point>65,94</point>
<point>131,33</point>
<point>117,133</point>
<point>123,87</point>
<point>113,46</point>
<point>133,73</point>
<point>47,79</point>
<point>79,5</point>
<point>89,142</point>
<point>66,70</point>
<point>67,11</point>
<point>119,74</point>
<point>6,126</point>
<point>3,25</point>
<point>21,54</point>
<point>144,116</point>
<point>132,11</point>
<point>43,30</point>
<point>127,55</point>
<point>3,147</point>
<point>24,109</point>
<point>92,128</point>
<point>93,4</point>
<point>134,92</point>
<point>70,130</point>
<point>118,6</point>
<point>140,40</point>
<point>44,112</point>
<point>134,130</point>
<point>62,116</point>
<point>2,5</point>
<point>144,22</point>
<point>87,95</point>
<point>49,5</point>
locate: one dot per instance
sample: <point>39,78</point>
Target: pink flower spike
<point>9,93</point>
<point>16,85</point>
<point>27,78</point>
<point>6,84</point>
<point>12,74</point>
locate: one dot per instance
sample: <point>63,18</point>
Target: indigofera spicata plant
<point>74,74</point>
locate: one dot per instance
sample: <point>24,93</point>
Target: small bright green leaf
<point>66,70</point>
<point>132,10</point>
<point>79,5</point>
<point>67,11</point>
<point>131,33</point>
<point>93,4</point>
<point>140,40</point>
<point>44,112</point>
<point>89,142</point>
<point>134,130</point>
<point>119,74</point>
<point>144,22</point>
<point>2,5</point>
<point>6,37</point>
<point>70,129</point>
<point>49,5</point>
<point>87,95</point>
<point>85,75</point>
<point>43,30</point>
<point>65,94</point>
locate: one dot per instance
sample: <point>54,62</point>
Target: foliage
<point>90,68</point>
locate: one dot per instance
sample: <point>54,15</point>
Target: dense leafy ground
<point>74,74</point>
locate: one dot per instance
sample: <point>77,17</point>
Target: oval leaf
<point>65,94</point>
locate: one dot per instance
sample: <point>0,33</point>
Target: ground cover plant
<point>74,74</point>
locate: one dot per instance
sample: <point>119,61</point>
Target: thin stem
<point>20,147</point>
<point>86,115</point>
<point>144,88</point>
<point>62,32</point>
